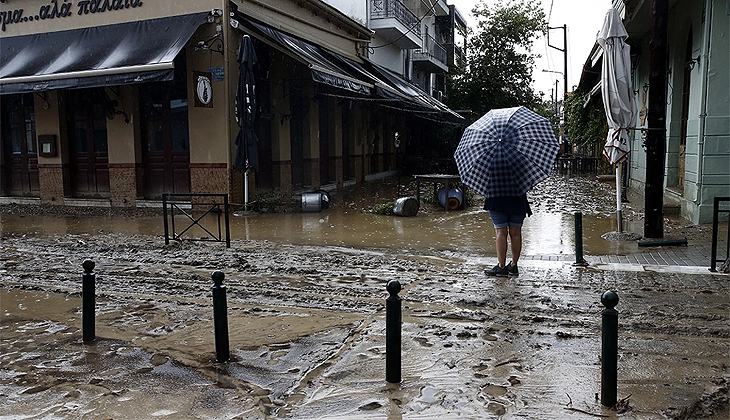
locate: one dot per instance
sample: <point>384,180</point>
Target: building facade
<point>697,160</point>
<point>115,103</point>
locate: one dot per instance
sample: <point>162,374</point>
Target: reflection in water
<point>468,232</point>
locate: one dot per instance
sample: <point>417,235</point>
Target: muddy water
<point>468,232</point>
<point>306,296</point>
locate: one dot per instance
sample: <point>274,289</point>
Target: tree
<point>498,69</point>
<point>586,122</point>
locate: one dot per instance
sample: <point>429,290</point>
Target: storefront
<point>115,102</point>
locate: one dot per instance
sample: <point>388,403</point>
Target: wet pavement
<point>306,297</point>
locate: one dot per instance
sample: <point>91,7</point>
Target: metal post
<point>656,120</point>
<point>609,349</point>
<point>220,317</point>
<point>393,319</point>
<point>579,261</point>
<point>88,300</point>
<point>619,211</point>
<point>164,218</point>
<point>228,222</point>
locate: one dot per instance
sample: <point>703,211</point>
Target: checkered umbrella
<point>506,152</point>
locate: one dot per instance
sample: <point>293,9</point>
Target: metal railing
<point>432,50</point>
<point>384,9</point>
<point>213,207</point>
<point>715,230</point>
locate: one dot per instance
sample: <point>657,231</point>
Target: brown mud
<point>307,325</point>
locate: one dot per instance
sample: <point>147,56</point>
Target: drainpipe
<point>703,99</point>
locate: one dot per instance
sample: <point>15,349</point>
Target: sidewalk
<point>691,259</point>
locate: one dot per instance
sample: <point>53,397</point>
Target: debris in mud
<point>564,335</point>
<point>621,236</point>
<point>569,407</point>
<point>709,405</point>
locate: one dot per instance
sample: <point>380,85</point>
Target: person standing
<point>507,214</point>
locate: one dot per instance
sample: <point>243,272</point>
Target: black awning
<point>416,95</point>
<point>123,53</point>
<point>325,66</point>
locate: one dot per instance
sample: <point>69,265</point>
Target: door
<point>325,175</point>
<point>685,115</point>
<point>88,152</point>
<point>165,139</point>
<point>346,166</point>
<point>296,126</point>
<point>19,144</point>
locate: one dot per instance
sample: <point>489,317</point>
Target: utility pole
<point>565,56</point>
<point>657,113</point>
<point>565,73</point>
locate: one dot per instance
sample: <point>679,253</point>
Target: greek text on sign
<point>64,8</point>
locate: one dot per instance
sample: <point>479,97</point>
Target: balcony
<point>394,23</point>
<point>455,55</point>
<point>432,58</point>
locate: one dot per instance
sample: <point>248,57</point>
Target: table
<point>447,180</point>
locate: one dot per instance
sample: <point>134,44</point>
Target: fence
<point>213,207</point>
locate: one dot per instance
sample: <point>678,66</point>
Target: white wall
<point>355,10</point>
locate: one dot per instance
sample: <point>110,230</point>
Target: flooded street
<point>306,315</point>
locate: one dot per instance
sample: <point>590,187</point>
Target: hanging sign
<point>203,90</point>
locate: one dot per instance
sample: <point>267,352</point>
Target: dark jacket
<point>510,205</point>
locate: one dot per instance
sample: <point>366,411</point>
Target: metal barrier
<point>214,207</point>
<point>715,228</point>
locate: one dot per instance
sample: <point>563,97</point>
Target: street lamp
<point>557,109</point>
<point>556,89</point>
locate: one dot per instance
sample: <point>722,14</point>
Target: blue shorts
<point>502,220</point>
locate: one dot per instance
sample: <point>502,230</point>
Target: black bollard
<point>220,317</point>
<point>579,261</point>
<point>609,349</point>
<point>393,321</point>
<point>88,300</point>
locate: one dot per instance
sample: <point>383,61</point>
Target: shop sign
<point>218,74</point>
<point>203,90</point>
<point>56,9</point>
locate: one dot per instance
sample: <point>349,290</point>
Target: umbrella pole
<point>245,190</point>
<point>619,218</point>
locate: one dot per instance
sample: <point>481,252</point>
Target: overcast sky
<point>584,19</point>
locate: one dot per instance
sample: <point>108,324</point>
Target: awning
<point>366,78</point>
<point>415,94</point>
<point>325,66</point>
<point>132,52</point>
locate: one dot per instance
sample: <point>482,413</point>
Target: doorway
<point>296,125</point>
<point>88,151</point>
<point>165,138</point>
<point>19,146</point>
<point>684,114</point>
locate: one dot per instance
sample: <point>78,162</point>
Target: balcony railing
<point>389,9</point>
<point>432,50</point>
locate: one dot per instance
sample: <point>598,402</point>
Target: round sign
<point>204,90</point>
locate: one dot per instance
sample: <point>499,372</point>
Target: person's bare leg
<point>515,241</point>
<point>501,246</point>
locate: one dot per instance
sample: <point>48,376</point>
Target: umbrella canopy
<point>616,89</point>
<point>246,148</point>
<point>506,152</point>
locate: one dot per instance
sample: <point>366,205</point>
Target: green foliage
<point>498,68</point>
<point>585,125</point>
<point>385,209</point>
